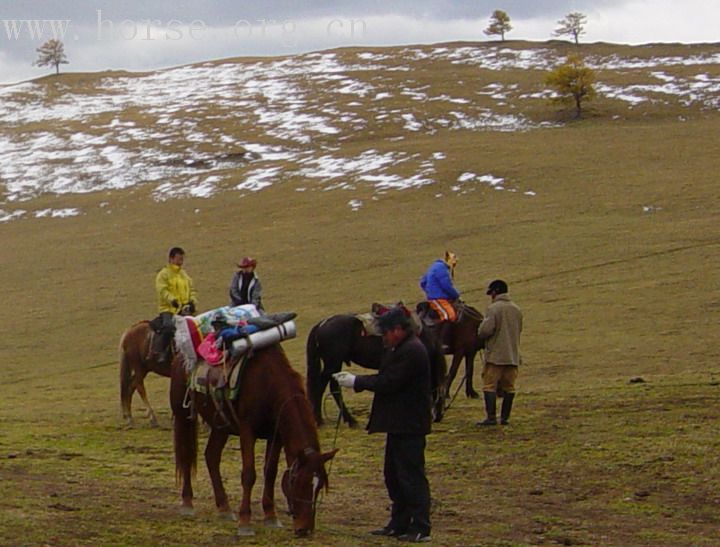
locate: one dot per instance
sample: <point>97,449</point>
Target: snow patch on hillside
<point>283,119</point>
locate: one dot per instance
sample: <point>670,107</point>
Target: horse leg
<point>140,386</point>
<point>439,380</point>
<point>316,398</point>
<point>457,357</point>
<point>247,478</point>
<point>469,372</point>
<point>336,391</point>
<point>126,403</point>
<point>213,454</point>
<point>272,456</point>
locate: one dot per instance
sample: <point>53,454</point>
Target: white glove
<point>345,379</point>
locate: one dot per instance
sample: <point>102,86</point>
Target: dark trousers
<point>165,332</point>
<point>406,483</point>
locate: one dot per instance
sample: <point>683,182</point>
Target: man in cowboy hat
<point>245,287</point>
<point>500,328</point>
<point>401,410</point>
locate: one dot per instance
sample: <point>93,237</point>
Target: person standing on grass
<point>175,295</point>
<point>500,328</point>
<point>401,409</point>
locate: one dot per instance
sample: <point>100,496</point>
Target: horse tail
<point>125,376</point>
<point>185,438</point>
<point>314,368</point>
<point>185,432</point>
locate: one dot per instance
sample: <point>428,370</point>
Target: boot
<point>490,400</point>
<point>506,408</point>
<point>161,345</point>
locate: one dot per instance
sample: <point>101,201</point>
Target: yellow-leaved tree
<point>573,83</point>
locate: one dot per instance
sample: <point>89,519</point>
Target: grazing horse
<point>135,363</point>
<point>342,339</point>
<point>464,343</point>
<point>271,404</point>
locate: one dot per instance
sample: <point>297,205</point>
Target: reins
<point>292,470</point>
<point>457,390</point>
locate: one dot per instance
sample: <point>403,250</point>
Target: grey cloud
<point>215,12</point>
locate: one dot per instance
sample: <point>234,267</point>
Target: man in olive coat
<point>401,409</point>
<point>501,330</point>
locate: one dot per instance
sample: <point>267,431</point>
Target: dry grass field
<point>607,233</point>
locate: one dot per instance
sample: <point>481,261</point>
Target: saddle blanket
<point>216,381</point>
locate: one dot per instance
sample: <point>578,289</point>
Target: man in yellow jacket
<point>175,294</point>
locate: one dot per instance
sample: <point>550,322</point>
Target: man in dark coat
<point>401,409</point>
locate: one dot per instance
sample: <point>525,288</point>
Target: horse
<point>271,404</point>
<point>342,339</point>
<point>464,343</point>
<point>135,363</point>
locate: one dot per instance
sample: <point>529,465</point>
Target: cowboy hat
<point>247,262</point>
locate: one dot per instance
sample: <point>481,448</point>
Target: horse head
<point>301,484</point>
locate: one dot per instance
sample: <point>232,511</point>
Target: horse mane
<point>293,391</point>
<point>131,329</point>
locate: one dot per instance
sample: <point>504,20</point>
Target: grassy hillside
<point>605,229</point>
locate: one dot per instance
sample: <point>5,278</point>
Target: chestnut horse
<point>464,343</point>
<point>135,364</point>
<point>342,339</point>
<point>271,404</point>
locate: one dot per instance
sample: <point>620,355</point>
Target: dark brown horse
<point>464,343</point>
<point>342,339</point>
<point>135,364</point>
<point>271,405</point>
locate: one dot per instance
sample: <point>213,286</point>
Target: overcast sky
<point>150,34</point>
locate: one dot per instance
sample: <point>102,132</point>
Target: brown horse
<point>271,404</point>
<point>135,364</point>
<point>464,343</point>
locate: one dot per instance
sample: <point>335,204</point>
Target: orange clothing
<point>444,309</point>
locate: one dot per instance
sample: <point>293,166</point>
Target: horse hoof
<point>227,515</point>
<point>245,531</point>
<point>273,523</point>
<point>186,511</point>
<point>473,395</point>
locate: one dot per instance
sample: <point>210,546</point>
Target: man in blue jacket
<point>441,294</point>
<point>437,283</point>
<point>401,409</point>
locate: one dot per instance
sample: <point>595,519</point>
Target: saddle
<point>370,320</point>
<point>430,317</point>
<point>220,382</point>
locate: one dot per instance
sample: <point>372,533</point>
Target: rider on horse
<point>175,294</point>
<point>441,294</point>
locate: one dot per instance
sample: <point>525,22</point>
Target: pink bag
<point>209,351</point>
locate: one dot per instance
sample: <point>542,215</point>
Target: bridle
<point>292,474</point>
